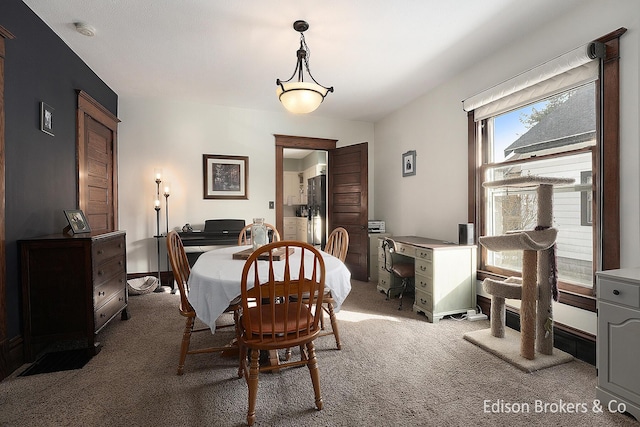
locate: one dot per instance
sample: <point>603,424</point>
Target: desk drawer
<point>384,280</point>
<point>406,250</point>
<point>424,268</point>
<point>424,283</point>
<point>424,300</point>
<point>426,254</point>
<point>619,292</point>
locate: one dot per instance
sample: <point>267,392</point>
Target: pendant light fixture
<point>300,97</point>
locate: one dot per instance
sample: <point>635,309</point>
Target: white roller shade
<point>562,73</point>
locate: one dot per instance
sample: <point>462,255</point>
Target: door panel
<point>348,203</point>
<point>99,208</point>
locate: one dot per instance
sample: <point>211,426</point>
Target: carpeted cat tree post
<point>537,286</point>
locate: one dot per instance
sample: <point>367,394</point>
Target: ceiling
<point>377,57</point>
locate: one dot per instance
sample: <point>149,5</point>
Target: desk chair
<point>275,314</point>
<point>271,230</point>
<point>181,272</point>
<point>402,270</point>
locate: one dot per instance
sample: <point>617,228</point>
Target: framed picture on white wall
<point>225,177</point>
<point>409,163</point>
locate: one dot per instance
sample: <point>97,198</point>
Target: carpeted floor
<point>395,369</point>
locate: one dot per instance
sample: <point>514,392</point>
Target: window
<point>553,138</point>
<point>547,141</point>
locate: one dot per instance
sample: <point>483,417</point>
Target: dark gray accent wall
<point>41,176</point>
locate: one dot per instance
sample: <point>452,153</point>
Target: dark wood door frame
<point>4,342</point>
<point>288,141</point>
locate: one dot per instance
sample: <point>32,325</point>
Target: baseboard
<point>579,344</point>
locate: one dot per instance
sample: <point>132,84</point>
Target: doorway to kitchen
<point>347,193</point>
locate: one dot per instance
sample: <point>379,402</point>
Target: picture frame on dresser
<point>77,222</point>
<point>225,177</point>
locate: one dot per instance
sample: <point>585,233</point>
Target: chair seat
<point>403,270</point>
<point>266,313</point>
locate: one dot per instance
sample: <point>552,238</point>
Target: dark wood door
<point>99,210</point>
<point>97,164</point>
<point>348,203</point>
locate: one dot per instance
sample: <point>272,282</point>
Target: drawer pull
<point>100,251</point>
<point>100,272</point>
<point>423,268</point>
<point>101,293</point>
<point>616,292</point>
<point>423,301</point>
<point>103,315</point>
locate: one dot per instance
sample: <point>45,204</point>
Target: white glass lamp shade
<point>301,97</point>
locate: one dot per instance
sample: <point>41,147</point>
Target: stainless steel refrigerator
<point>317,211</point>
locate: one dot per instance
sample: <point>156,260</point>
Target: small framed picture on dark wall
<point>46,119</point>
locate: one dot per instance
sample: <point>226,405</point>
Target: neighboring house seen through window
<point>553,138</point>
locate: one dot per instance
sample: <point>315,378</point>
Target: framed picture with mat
<point>78,223</point>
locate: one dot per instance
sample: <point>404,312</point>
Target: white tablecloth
<point>215,280</point>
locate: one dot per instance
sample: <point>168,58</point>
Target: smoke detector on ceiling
<point>85,29</point>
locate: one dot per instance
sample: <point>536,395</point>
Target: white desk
<point>215,280</point>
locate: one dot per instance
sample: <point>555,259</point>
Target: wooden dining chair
<point>181,272</point>
<point>243,239</point>
<point>337,245</point>
<point>276,316</point>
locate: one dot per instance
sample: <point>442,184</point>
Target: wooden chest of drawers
<point>72,286</point>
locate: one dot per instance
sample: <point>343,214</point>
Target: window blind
<point>572,69</point>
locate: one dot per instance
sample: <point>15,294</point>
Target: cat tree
<point>537,287</point>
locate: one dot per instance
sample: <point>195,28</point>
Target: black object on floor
<point>58,361</point>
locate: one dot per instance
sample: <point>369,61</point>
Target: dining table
<point>216,277</point>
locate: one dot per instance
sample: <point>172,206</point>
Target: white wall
<point>173,135</point>
<point>434,201</point>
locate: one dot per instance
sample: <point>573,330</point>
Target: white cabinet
<point>618,343</point>
<point>295,228</point>
<point>301,230</point>
<point>289,228</point>
<point>292,187</point>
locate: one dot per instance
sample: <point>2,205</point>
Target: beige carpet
<point>508,349</point>
<point>394,369</point>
